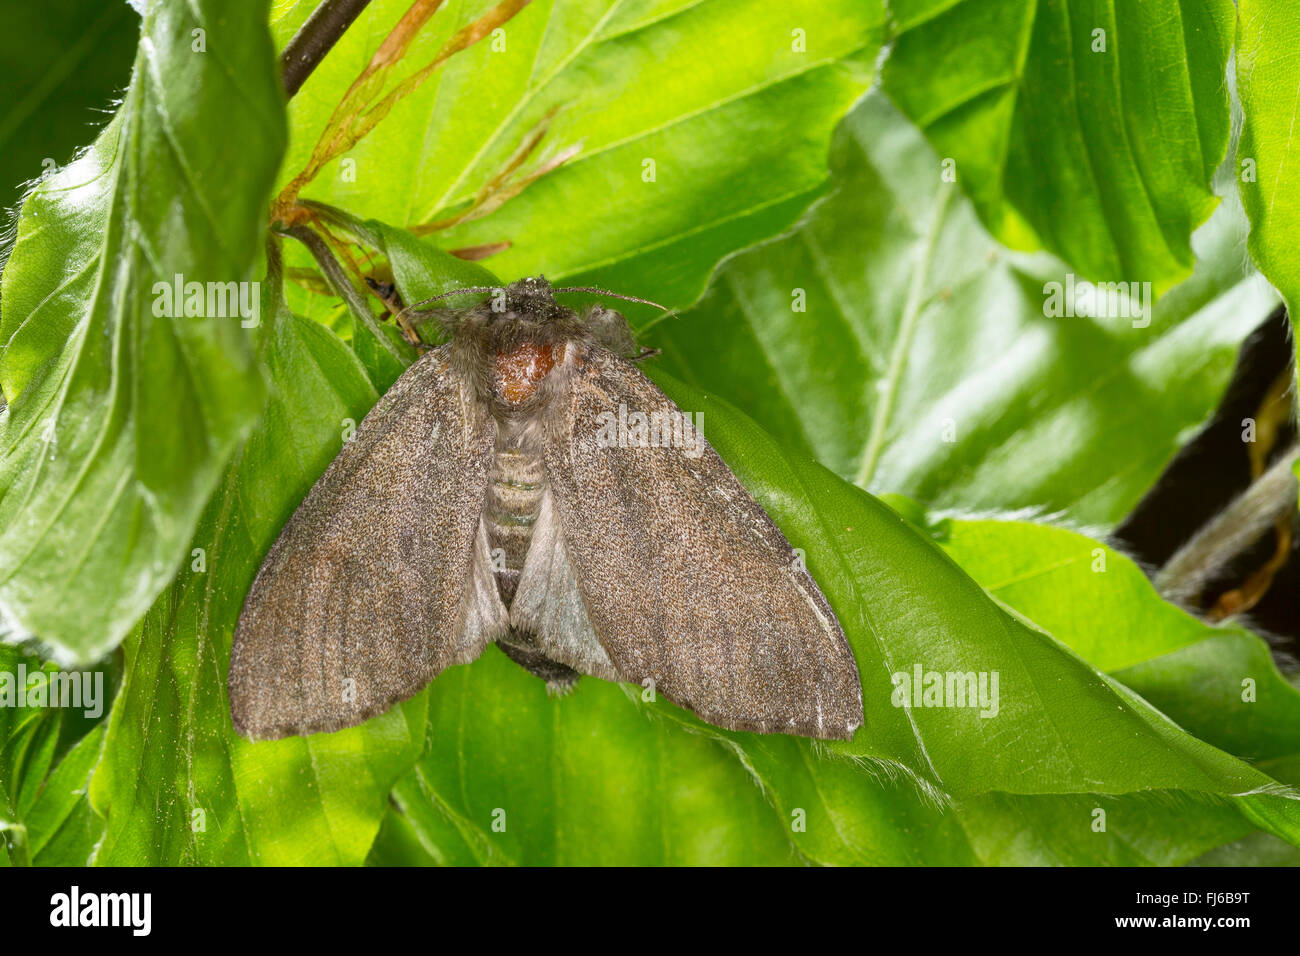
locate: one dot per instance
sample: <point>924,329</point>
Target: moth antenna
<point>468,290</point>
<point>617,295</point>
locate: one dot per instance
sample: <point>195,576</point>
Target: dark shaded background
<point>1213,469</point>
<point>62,63</point>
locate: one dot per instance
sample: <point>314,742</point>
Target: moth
<point>497,494</point>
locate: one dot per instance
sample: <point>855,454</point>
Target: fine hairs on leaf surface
<point>859,286</point>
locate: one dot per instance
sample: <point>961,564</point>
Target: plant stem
<point>343,287</point>
<point>315,38</point>
<point>1230,533</point>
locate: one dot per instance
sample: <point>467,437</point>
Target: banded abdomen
<point>513,501</point>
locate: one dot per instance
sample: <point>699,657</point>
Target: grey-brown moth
<point>497,493</point>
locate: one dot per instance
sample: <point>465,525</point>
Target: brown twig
<point>362,109</point>
<point>1272,416</point>
<point>1233,530</point>
<point>342,285</point>
<point>314,39</point>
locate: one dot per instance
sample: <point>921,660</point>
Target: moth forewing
<point>364,597</point>
<point>686,580</point>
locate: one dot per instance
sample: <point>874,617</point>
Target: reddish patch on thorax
<point>520,372</point>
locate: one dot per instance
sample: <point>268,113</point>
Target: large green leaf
<point>301,800</point>
<point>1219,683</point>
<point>592,781</point>
<point>513,776</point>
<point>737,133</point>
<point>119,420</point>
<point>925,363</point>
<point>1090,128</point>
<point>500,746</point>
<point>1062,727</point>
<point>1268,77</point>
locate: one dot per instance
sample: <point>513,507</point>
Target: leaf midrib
<point>916,301</point>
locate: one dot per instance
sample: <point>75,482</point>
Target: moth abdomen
<point>510,512</point>
<point>559,678</point>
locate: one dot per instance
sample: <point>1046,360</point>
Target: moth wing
<point>548,604</point>
<point>381,578</point>
<point>683,576</point>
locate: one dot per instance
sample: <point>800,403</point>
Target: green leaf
<point>1090,128</point>
<point>515,777</point>
<point>420,270</point>
<point>47,748</point>
<point>62,829</point>
<point>213,797</point>
<point>737,139</point>
<point>589,780</point>
<point>1061,726</point>
<point>120,420</point>
<point>1101,604</point>
<point>1150,829</point>
<point>925,363</point>
<point>1268,58</point>
<point>1255,849</point>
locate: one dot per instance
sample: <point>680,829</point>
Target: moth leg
<point>559,678</point>
<point>387,293</point>
<point>413,321</point>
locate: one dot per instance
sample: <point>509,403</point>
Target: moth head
<point>527,309</point>
<point>528,298</point>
